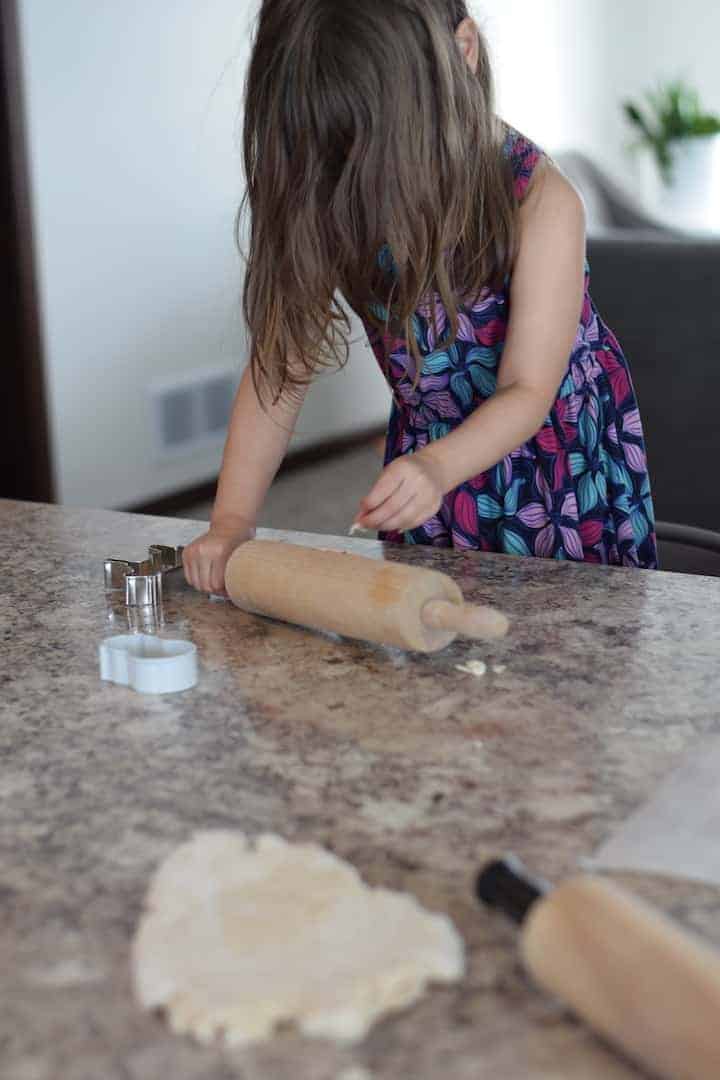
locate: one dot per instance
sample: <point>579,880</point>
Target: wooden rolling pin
<point>637,978</point>
<point>386,602</point>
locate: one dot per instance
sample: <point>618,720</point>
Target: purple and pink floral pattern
<point>579,489</point>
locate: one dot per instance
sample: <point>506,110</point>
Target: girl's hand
<point>205,559</point>
<point>408,492</point>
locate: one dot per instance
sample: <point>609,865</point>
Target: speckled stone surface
<point>414,772</point>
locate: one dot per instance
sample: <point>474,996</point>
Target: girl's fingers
<point>217,580</point>
<point>390,510</point>
<point>191,574</point>
<point>383,490</point>
<point>206,575</point>
<point>405,518</point>
<point>197,574</point>
<point>390,507</point>
<point>205,571</point>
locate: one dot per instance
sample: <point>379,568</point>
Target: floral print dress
<point>579,489</point>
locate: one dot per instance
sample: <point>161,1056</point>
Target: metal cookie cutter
<point>143,581</point>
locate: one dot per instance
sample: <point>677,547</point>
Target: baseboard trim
<point>180,500</point>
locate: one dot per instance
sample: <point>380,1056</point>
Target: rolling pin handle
<point>469,620</point>
<point>506,885</point>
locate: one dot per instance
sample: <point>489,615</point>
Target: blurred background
<point>122,174</point>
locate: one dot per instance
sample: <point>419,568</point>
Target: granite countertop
<point>413,771</point>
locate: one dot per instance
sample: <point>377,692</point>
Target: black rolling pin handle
<point>506,884</point>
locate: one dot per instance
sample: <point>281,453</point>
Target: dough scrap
<point>472,667</point>
<point>238,936</point>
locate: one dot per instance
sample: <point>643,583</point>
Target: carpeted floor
<point>322,497</point>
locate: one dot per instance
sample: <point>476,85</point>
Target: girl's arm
<point>546,297</point>
<point>254,449</point>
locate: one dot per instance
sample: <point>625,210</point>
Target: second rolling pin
<point>385,602</point>
<point>646,984</point>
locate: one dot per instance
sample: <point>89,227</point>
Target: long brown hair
<point>364,127</point>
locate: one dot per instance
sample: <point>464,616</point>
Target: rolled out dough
<point>238,936</point>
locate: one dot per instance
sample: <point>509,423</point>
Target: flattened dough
<point>239,936</point>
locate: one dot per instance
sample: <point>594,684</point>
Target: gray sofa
<point>658,289</point>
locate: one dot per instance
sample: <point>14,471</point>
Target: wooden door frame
<point>25,456</point>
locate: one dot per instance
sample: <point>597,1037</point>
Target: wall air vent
<point>191,411</point>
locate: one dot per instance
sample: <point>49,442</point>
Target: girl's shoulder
<point>524,155</point>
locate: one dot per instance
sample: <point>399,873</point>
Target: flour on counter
<point>238,936</point>
<point>472,667</point>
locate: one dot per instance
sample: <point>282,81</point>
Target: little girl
<point>377,167</point>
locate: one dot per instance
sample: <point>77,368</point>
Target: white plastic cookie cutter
<point>149,664</point>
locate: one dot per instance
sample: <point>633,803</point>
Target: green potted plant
<point>683,140</point>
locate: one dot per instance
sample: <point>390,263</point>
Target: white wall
<point>650,39</point>
<point>136,175</point>
<point>563,67</point>
<point>546,66</point>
